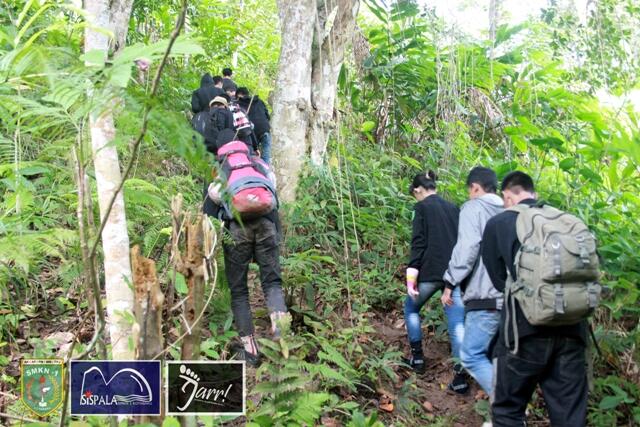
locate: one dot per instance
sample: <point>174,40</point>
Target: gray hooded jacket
<point>466,262</point>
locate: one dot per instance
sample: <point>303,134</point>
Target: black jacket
<point>435,229</point>
<point>258,114</point>
<point>201,97</point>
<point>499,247</point>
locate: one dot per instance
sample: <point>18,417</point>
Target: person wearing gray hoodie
<point>466,270</point>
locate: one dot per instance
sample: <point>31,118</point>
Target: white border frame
<point>211,362</point>
<point>159,362</point>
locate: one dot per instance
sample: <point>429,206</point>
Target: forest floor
<point>431,395</point>
<point>428,391</point>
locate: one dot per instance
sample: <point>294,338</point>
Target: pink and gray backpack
<point>252,192</point>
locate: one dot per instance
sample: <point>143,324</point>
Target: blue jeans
<point>479,328</point>
<point>455,315</point>
<point>265,147</point>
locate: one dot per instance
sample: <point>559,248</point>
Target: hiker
<point>255,238</point>
<point>201,97</point>
<point>553,356</point>
<point>241,123</point>
<point>466,274</point>
<point>435,224</point>
<point>217,84</point>
<point>259,115</point>
<point>210,122</point>
<point>227,81</point>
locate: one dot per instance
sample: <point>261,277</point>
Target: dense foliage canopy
<point>552,96</point>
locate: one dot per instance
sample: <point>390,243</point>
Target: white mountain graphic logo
<point>125,387</point>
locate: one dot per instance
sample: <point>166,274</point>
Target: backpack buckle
<point>559,300</point>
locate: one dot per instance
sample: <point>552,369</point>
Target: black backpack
<point>210,123</point>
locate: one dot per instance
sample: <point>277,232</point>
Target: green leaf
<point>170,422</point>
<point>590,175</point>
<point>94,58</point>
<point>368,126</point>
<point>610,402</point>
<point>548,142</point>
<point>567,164</point>
<point>181,284</point>
<point>120,75</point>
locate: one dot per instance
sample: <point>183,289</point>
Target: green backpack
<point>557,269</point>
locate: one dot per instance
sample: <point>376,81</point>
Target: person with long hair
<point>435,227</point>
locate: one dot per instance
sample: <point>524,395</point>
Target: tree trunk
<point>115,240</point>
<point>149,301</point>
<point>304,98</point>
<point>292,96</point>
<point>336,23</point>
<point>193,270</point>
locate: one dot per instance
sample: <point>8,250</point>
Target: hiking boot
<point>459,383</point>
<point>416,364</point>
<point>253,360</point>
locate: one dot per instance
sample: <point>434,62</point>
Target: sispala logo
<point>107,388</point>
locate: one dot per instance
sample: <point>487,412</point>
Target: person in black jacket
<point>259,116</point>
<point>201,97</point>
<point>435,228</point>
<point>217,85</point>
<point>554,357</point>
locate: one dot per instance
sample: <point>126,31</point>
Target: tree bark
<point>336,23</point>
<point>192,269</point>
<point>115,239</point>
<point>303,103</point>
<point>149,301</point>
<point>292,97</point>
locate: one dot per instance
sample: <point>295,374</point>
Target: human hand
<point>214,192</point>
<point>412,278</point>
<point>446,297</point>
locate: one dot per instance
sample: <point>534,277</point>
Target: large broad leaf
<point>94,58</point>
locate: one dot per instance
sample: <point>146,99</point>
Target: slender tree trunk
<point>336,23</point>
<point>292,96</point>
<point>115,239</point>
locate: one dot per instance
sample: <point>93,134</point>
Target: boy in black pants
<point>253,239</point>
<point>553,357</point>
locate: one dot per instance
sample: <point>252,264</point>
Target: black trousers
<point>556,363</point>
<point>254,239</point>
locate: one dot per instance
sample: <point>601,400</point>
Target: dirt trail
<point>432,385</point>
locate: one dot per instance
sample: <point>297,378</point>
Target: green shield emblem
<point>42,385</point>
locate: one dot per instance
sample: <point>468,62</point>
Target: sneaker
<point>416,364</point>
<point>459,383</point>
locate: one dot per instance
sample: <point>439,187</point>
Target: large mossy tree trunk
<point>335,27</point>
<point>112,15</point>
<point>292,99</point>
<point>303,104</point>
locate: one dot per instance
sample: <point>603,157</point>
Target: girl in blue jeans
<point>434,234</point>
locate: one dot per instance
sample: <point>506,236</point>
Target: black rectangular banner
<point>205,388</point>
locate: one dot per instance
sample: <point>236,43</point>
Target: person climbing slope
<point>259,115</point>
<point>435,225</point>
<point>540,352</point>
<point>201,97</point>
<point>466,274</point>
<point>249,209</point>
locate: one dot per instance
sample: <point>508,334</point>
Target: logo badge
<point>42,388</point>
<point>206,388</point>
<point>115,387</point>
